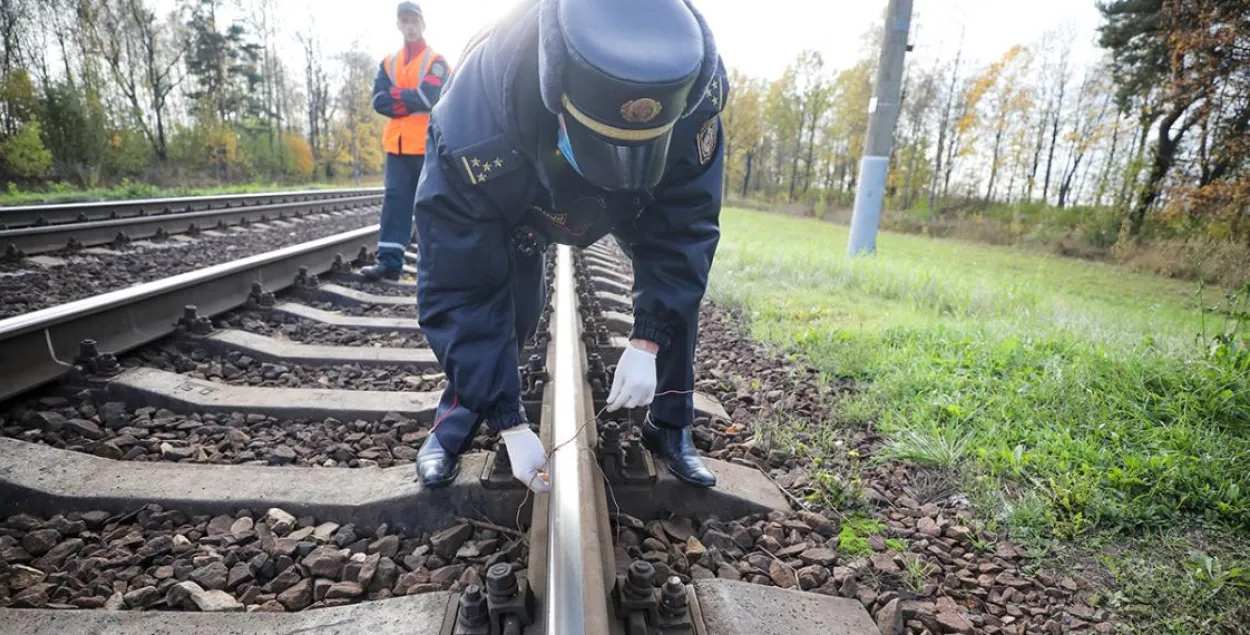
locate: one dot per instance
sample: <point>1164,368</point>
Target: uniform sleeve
<point>384,101</point>
<point>464,297</point>
<point>677,235</point>
<point>423,98</point>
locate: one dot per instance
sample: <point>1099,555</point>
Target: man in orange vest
<point>408,84</point>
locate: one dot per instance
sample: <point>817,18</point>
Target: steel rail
<point>577,593</point>
<point>36,347</point>
<point>37,240</point>
<point>29,215</point>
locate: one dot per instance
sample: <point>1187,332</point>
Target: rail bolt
<point>501,581</point>
<point>673,601</point>
<point>473,610</point>
<point>638,579</point>
<point>88,349</point>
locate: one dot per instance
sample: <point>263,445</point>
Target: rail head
<point>77,309</point>
<point>148,203</point>
<point>32,345</point>
<point>577,600</point>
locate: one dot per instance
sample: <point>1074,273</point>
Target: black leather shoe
<point>435,466</point>
<point>377,272</point>
<point>677,448</point>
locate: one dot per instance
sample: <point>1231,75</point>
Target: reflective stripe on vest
<point>406,135</point>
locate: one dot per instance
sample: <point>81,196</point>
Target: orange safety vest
<point>406,135</point>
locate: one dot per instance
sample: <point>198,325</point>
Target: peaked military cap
<point>622,74</point>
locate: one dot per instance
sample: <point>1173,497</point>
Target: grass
<point>61,193</point>
<point>1072,398</point>
<point>1175,589</point>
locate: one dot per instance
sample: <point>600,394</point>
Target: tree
<point>320,105</point>
<point>1059,84</point>
<point>1138,34</point>
<point>1002,89</point>
<point>1089,126</point>
<point>361,147</point>
<point>919,100</point>
<point>143,60</point>
<point>24,153</point>
<point>222,64</point>
<point>743,128</point>
<point>943,127</point>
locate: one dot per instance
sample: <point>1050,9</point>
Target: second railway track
<point>17,217</point>
<point>41,239</point>
<point>252,454</point>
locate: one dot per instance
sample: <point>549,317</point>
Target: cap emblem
<point>640,110</point>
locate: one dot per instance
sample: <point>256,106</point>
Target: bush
<point>24,153</point>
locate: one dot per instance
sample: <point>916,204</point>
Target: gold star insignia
<point>498,163</point>
<point>481,176</point>
<point>486,167</point>
<point>476,163</point>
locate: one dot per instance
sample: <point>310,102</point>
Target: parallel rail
<point>44,239</point>
<point>37,215</point>
<point>36,347</point>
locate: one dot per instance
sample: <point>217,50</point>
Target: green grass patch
<point>63,193</point>
<point>1174,584</point>
<point>1082,393</point>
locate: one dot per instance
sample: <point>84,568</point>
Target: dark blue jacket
<point>497,168</point>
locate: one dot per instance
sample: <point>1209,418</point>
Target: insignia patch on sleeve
<point>484,161</point>
<point>439,69</point>
<point>707,140</point>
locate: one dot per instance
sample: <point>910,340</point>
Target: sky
<point>759,38</point>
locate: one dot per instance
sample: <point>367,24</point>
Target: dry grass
<point>1223,263</point>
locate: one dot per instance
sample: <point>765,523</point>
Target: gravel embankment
<point>269,560</point>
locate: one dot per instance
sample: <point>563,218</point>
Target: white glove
<point>633,384</point>
<point>527,456</point>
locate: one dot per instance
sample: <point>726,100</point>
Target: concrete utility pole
<point>883,114</point>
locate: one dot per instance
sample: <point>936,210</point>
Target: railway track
<point>17,217</point>
<point>45,229</point>
<point>223,450</point>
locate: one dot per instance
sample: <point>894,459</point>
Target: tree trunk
<point>998,138</point>
<point>794,163</point>
<point>1106,170</point>
<point>1050,158</point>
<point>1066,187</point>
<point>746,179</point>
<point>1164,155</point>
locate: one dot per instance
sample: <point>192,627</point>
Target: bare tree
<point>943,127</point>
<point>1059,84</point>
<point>144,63</point>
<point>320,105</point>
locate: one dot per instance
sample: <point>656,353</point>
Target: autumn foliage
<point>1143,154</point>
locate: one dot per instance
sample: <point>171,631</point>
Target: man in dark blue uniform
<point>566,121</point>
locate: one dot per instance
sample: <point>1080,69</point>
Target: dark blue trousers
<point>673,406</point>
<point>455,425</point>
<point>403,172</point>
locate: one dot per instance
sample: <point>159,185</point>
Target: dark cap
<point>629,72</point>
<point>409,7</point>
